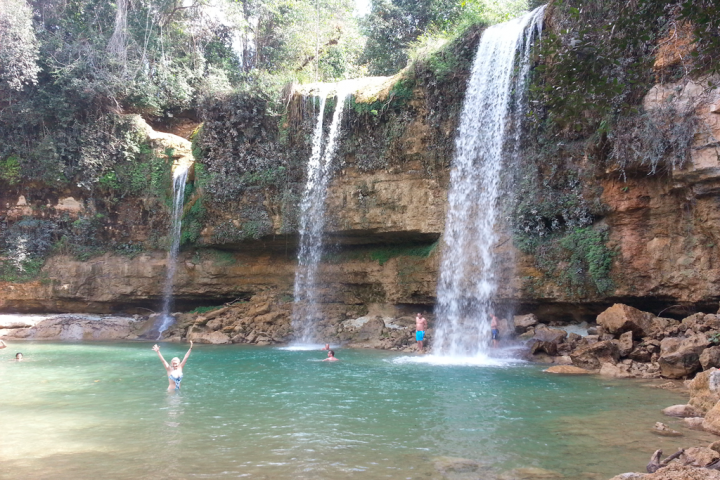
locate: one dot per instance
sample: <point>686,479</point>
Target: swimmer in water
<point>18,357</point>
<point>326,347</point>
<point>174,369</point>
<point>331,357</point>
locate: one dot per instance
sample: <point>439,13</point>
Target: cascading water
<point>179,180</point>
<point>312,219</point>
<point>467,283</point>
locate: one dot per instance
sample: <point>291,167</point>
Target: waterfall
<point>312,218</point>
<point>179,180</point>
<point>467,283</point>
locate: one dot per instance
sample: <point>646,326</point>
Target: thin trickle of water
<point>467,283</point>
<point>179,180</point>
<point>312,219</point>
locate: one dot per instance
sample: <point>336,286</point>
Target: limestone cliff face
<point>386,210</point>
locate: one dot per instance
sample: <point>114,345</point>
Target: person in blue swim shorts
<point>420,327</point>
<point>494,332</point>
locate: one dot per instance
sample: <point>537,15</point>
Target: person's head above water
<point>18,356</point>
<point>175,362</point>
<point>331,353</point>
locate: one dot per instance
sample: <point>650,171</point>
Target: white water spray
<point>312,219</point>
<point>467,283</point>
<point>179,180</point>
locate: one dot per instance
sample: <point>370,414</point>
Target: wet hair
<point>18,353</point>
<point>331,352</point>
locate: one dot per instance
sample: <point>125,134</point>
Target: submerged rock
<point>568,370</point>
<point>662,429</point>
<point>680,411</point>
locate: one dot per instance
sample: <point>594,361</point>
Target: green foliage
<point>200,310</point>
<point>10,170</point>
<point>384,254</point>
<point>704,16</point>
<point>577,259</point>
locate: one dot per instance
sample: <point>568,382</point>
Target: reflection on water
<point>81,411</point>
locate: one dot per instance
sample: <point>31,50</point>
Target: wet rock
<point>592,356</point>
<point>711,423</point>
<point>524,322</point>
<point>568,370</point>
<point>676,471</point>
<point>371,329</point>
<point>616,371</point>
<point>710,358</point>
<point>446,465</point>
<point>665,431</point>
<point>544,347</point>
<point>694,423</point>
<point>680,411</point>
<point>715,446</point>
<point>215,338</point>
<point>592,330</point>
<point>527,335</point>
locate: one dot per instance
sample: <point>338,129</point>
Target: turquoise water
<point>85,411</point>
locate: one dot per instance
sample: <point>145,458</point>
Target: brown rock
<point>679,359</point>
<point>545,334</point>
<point>625,344</point>
<point>694,423</point>
<point>591,357</point>
<point>680,411</point>
<point>215,338</point>
<point>699,456</point>
<point>621,318</point>
<point>705,390</point>
<point>662,429</point>
<point>710,358</point>
<point>370,330</point>
<point>711,423</point>
<point>547,347</point>
<point>679,472</point>
<point>616,371</point>
<point>568,370</point>
<point>523,322</point>
<point>630,476</point>
<point>715,446</point>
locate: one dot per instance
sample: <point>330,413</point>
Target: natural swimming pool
<point>90,410</point>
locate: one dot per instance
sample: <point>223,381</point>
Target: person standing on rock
<point>420,327</point>
<point>175,368</point>
<point>331,357</point>
<point>494,332</point>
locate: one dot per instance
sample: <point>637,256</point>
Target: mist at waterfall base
<point>88,411</point>
<point>468,281</point>
<point>179,181</point>
<point>312,218</point>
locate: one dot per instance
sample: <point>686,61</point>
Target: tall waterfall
<point>312,219</point>
<point>179,180</point>
<point>467,284</point>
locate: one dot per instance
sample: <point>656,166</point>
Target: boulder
<point>372,329</point>
<point>705,390</point>
<point>592,356</point>
<point>568,370</point>
<point>630,476</point>
<point>544,347</point>
<point>622,318</point>
<point>711,423</point>
<point>681,357</point>
<point>523,322</point>
<point>617,371</point>
<point>680,411</point>
<point>625,344</point>
<point>215,338</point>
<point>694,423</point>
<point>506,327</point>
<point>710,358</point>
<point>699,456</point>
<point>553,335</point>
<point>592,330</point>
<point>715,446</point>
<point>676,471</point>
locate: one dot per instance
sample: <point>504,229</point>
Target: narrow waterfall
<point>312,219</point>
<point>179,180</point>
<point>467,283</point>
